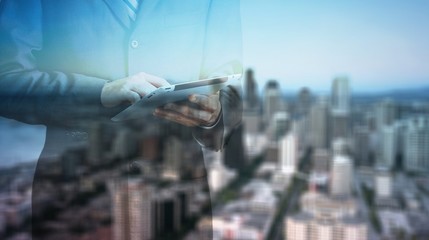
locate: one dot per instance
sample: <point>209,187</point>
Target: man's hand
<point>206,114</point>
<point>130,89</point>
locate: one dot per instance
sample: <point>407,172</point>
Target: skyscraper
<point>340,99</point>
<point>173,154</point>
<point>385,113</point>
<point>319,117</point>
<point>251,98</point>
<point>279,125</point>
<point>340,108</point>
<point>96,144</point>
<point>416,156</point>
<point>361,145</point>
<point>341,176</point>
<point>340,147</point>
<point>272,100</point>
<point>288,153</point>
<point>388,147</point>
<point>383,183</point>
<point>131,209</point>
<point>303,102</point>
<point>321,158</point>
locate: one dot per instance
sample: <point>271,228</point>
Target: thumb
<point>132,97</point>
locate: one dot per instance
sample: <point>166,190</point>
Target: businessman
<point>66,64</point>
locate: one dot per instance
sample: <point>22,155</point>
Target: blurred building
<point>321,158</point>
<point>124,144</point>
<point>305,227</point>
<point>251,94</point>
<point>383,184</point>
<point>150,148</point>
<point>324,217</point>
<point>340,146</point>
<point>319,124</point>
<point>167,214</point>
<point>388,148</point>
<point>303,102</point>
<point>288,153</point>
<point>252,122</point>
<point>361,151</point>
<point>173,158</point>
<point>385,114</point>
<point>132,209</point>
<point>341,176</point>
<point>279,125</point>
<point>340,108</point>
<point>96,148</point>
<point>272,100</point>
<point>249,217</point>
<point>416,155</point>
<point>218,174</point>
<point>272,153</point>
<point>71,160</point>
<point>340,95</point>
<point>255,145</point>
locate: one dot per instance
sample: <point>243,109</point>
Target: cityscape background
<point>334,143</point>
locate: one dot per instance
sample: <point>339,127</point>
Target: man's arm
<point>28,94</point>
<point>31,95</point>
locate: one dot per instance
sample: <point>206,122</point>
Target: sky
<point>380,45</point>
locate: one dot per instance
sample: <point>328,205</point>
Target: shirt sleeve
<point>27,93</point>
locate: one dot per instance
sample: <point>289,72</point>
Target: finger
<point>202,116</point>
<point>176,117</point>
<point>205,102</point>
<point>132,97</point>
<point>156,81</point>
<point>142,87</point>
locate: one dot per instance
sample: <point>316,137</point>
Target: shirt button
<point>134,44</point>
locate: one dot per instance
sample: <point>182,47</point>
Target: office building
<point>416,155</point>
<point>340,108</point>
<point>173,158</point>
<point>251,97</point>
<point>361,152</point>
<point>319,124</point>
<point>167,212</point>
<point>272,100</point>
<point>218,174</point>
<point>96,148</point>
<point>325,218</point>
<point>385,114</point>
<point>288,153</point>
<point>131,209</point>
<point>383,183</point>
<point>124,144</point>
<point>321,160</point>
<point>303,102</point>
<point>341,175</point>
<point>340,147</point>
<point>280,124</point>
<point>388,149</point>
<point>340,98</point>
<point>252,122</point>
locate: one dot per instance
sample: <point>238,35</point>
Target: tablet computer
<point>173,93</point>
